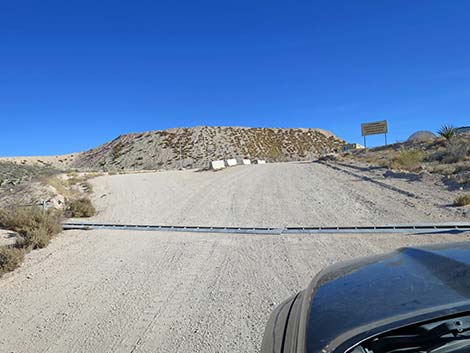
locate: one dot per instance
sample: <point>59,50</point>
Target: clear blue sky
<point>75,74</point>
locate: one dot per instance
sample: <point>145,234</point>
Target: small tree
<point>447,131</point>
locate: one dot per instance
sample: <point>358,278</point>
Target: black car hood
<point>353,301</point>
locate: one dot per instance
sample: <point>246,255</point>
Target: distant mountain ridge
<point>196,147</point>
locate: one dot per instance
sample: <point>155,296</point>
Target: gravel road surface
<point>128,291</point>
<point>271,195</point>
<point>121,291</point>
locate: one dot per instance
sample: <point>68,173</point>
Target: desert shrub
<point>408,160</point>
<point>36,226</point>
<point>463,200</point>
<point>81,208</point>
<point>447,131</point>
<point>10,258</point>
<point>457,150</point>
<point>444,169</point>
<point>437,155</point>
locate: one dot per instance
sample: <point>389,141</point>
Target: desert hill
<point>194,148</point>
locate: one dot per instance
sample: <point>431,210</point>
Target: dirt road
<point>275,195</point>
<point>123,291</point>
<point>119,291</point>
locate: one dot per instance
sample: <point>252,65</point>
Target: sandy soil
<point>120,291</point>
<point>278,194</point>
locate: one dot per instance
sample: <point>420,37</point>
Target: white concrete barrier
<point>217,165</point>
<point>260,161</point>
<point>231,162</point>
<point>246,161</point>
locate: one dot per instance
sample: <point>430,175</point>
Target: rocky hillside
<point>12,174</point>
<point>196,147</point>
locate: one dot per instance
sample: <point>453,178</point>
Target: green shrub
<point>408,160</point>
<point>463,200</point>
<point>36,226</point>
<point>10,258</point>
<point>81,208</point>
<point>447,131</point>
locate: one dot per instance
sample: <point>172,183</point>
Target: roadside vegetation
<point>47,197</point>
<point>81,207</point>
<point>463,200</point>
<point>10,259</point>
<point>34,227</point>
<point>410,160</point>
<point>446,157</point>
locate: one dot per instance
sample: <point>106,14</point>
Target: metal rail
<point>401,228</point>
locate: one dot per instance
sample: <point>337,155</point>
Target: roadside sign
<point>375,128</point>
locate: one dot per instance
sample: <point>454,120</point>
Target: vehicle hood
<point>358,299</point>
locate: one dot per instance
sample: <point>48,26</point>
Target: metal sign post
<point>375,128</point>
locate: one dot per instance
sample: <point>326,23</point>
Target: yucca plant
<point>446,131</point>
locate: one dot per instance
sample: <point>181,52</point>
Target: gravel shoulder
<point>271,195</point>
<point>122,291</point>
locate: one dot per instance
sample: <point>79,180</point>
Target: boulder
<point>422,136</point>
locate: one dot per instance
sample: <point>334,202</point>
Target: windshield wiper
<point>424,338</point>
